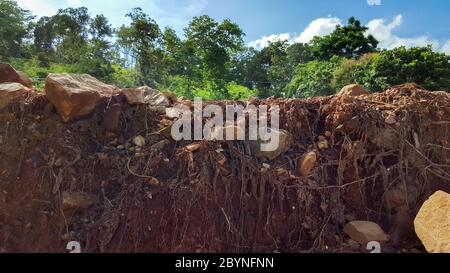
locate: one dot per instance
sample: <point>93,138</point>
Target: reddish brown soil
<point>374,170</point>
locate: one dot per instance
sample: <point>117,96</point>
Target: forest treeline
<point>210,60</point>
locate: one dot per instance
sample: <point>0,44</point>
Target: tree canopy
<point>348,41</point>
<point>209,58</point>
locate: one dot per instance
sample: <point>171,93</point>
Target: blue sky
<point>393,22</point>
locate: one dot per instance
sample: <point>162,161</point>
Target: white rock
<point>139,141</point>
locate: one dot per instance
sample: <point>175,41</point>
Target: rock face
<point>76,95</point>
<point>10,92</point>
<point>24,79</point>
<point>146,95</point>
<point>364,232</point>
<point>285,139</point>
<point>432,224</point>
<point>353,90</point>
<point>9,74</point>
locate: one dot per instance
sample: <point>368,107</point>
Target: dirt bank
<point>59,182</point>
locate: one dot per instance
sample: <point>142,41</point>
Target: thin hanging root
<point>135,174</point>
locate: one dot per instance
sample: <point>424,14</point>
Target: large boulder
<point>10,91</point>
<point>156,100</point>
<point>9,74</point>
<point>76,95</point>
<point>432,223</point>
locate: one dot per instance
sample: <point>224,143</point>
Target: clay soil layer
<point>59,182</point>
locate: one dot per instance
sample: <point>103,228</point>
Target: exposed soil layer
<point>386,154</point>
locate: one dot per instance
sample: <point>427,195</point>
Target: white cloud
<point>318,27</point>
<point>446,47</point>
<point>38,7</point>
<point>383,32</point>
<point>265,40</point>
<point>374,2</point>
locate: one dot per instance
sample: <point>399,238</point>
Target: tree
<point>44,35</point>
<point>358,71</point>
<point>70,28</point>
<point>298,53</point>
<point>239,67</point>
<point>98,61</point>
<point>141,39</point>
<point>269,70</point>
<point>261,70</point>
<point>14,23</point>
<point>284,60</point>
<point>172,45</point>
<point>213,44</point>
<point>313,79</point>
<point>346,41</point>
<point>418,64</point>
<point>100,28</point>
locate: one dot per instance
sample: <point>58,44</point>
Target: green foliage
<point>209,61</point>
<point>70,32</point>
<point>212,43</point>
<point>38,73</point>
<point>72,37</point>
<point>269,70</point>
<point>180,85</point>
<point>359,71</point>
<point>43,36</point>
<point>348,41</point>
<point>392,67</point>
<point>234,92</point>
<point>239,92</point>
<point>418,64</point>
<point>313,79</point>
<point>205,93</point>
<point>14,23</point>
<point>125,77</point>
<point>183,86</point>
<point>140,41</point>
